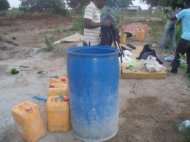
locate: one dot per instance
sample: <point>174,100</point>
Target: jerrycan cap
<point>28,108</point>
<point>63,79</point>
<point>51,86</point>
<point>66,98</point>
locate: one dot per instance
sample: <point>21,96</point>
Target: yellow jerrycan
<point>140,35</point>
<point>58,114</point>
<point>28,118</point>
<point>58,86</point>
<point>123,37</point>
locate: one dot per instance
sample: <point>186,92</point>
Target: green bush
<point>185,130</point>
<point>49,6</point>
<point>50,46</point>
<point>187,134</point>
<point>156,34</point>
<point>4,5</point>
<point>14,12</point>
<point>14,71</point>
<point>78,24</point>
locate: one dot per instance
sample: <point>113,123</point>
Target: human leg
<point>176,62</point>
<point>188,60</point>
<point>165,34</point>
<point>164,38</point>
<point>172,39</point>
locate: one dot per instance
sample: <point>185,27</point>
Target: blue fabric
<point>169,58</point>
<point>37,98</point>
<point>184,16</point>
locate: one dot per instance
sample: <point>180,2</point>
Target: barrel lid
<point>93,51</point>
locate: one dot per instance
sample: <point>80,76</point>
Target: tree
<point>79,4</point>
<point>4,5</point>
<point>172,3</point>
<point>118,3</point>
<point>51,6</point>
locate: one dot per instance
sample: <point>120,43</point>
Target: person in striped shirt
<point>92,22</point>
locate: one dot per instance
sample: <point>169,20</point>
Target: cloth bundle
<point>151,64</point>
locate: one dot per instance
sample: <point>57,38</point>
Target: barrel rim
<point>115,51</point>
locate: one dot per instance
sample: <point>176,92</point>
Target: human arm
<point>178,16</point>
<point>172,17</point>
<point>89,24</point>
<point>92,18</point>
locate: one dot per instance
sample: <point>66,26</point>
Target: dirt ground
<point>147,115</point>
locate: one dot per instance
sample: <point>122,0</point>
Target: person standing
<point>184,44</point>
<point>92,22</point>
<point>169,32</point>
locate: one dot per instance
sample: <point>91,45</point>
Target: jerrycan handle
<point>141,29</point>
<point>25,106</point>
<point>64,79</point>
<point>66,98</point>
<point>53,99</point>
<point>28,108</point>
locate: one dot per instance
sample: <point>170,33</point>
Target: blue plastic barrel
<point>93,74</point>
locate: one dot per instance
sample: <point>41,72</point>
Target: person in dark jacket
<point>109,17</point>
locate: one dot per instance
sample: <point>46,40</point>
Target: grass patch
<point>78,24</point>
<point>186,134</point>
<point>58,28</point>
<point>50,46</point>
<point>12,12</point>
<point>185,130</point>
<point>69,32</point>
<point>156,34</point>
<point>14,71</point>
<point>183,68</point>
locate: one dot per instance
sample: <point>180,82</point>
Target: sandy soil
<point>147,115</point>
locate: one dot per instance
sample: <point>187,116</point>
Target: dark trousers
<point>182,48</point>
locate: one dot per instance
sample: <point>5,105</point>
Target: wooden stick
<point>121,50</point>
<point>117,45</point>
